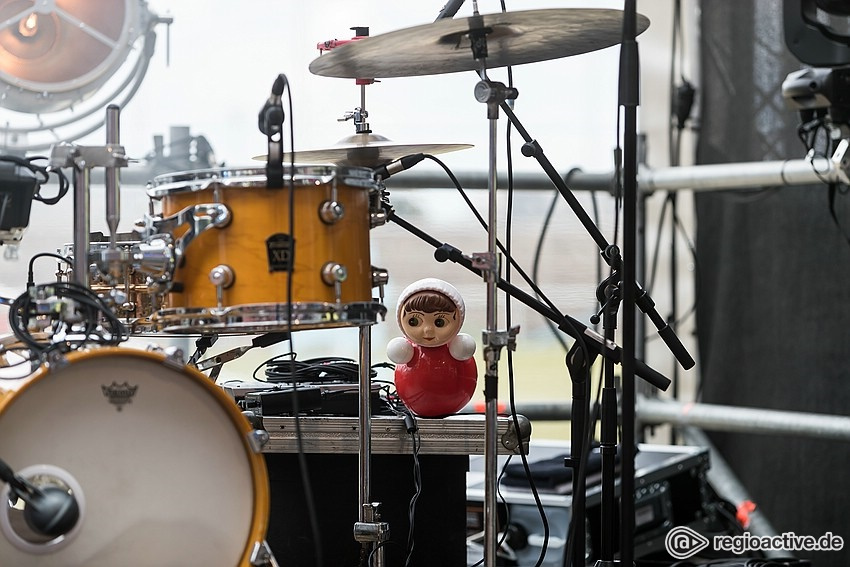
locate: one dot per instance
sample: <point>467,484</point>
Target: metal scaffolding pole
<point>715,177</point>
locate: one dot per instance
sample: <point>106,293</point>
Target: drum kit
<point>149,457</point>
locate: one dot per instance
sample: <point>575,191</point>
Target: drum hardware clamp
<point>372,529</point>
<point>257,439</point>
<point>261,556</point>
<point>380,278</point>
<point>82,159</point>
<point>197,218</point>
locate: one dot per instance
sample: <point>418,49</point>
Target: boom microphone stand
<point>577,362</point>
<point>620,287</point>
<point>629,100</point>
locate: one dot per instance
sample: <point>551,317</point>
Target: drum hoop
<point>245,177</point>
<point>266,317</point>
<point>259,473</point>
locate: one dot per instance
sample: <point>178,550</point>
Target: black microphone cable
<point>281,86</point>
<point>413,429</point>
<point>92,321</point>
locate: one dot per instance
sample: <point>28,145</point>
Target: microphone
<point>385,171</point>
<point>271,115</point>
<point>50,510</point>
<point>450,9</point>
<point>270,121</point>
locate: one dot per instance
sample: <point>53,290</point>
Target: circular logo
<point>682,542</point>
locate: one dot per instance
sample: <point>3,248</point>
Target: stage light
<point>817,32</point>
<point>56,55</point>
<point>28,26</point>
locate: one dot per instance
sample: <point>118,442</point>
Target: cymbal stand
<point>493,341</point>
<point>493,94</point>
<point>370,531</point>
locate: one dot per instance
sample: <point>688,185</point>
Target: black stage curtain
<point>773,311</point>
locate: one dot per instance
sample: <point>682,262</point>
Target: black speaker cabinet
<point>439,525</point>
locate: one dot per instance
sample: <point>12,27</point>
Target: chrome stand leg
<point>369,530</point>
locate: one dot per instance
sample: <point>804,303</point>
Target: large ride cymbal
<point>513,38</point>
<point>367,150</point>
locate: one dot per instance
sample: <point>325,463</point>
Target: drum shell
<point>259,213</point>
<point>167,479</point>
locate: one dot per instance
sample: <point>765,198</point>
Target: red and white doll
<point>435,373</point>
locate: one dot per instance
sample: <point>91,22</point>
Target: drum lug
<point>380,278</point>
<point>257,439</point>
<point>378,206</point>
<point>261,556</point>
<point>331,212</point>
<point>56,360</point>
<point>222,277</point>
<point>174,358</point>
<point>334,273</point>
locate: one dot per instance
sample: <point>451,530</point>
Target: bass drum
<point>159,459</point>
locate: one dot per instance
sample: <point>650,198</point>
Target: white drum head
<point>163,464</point>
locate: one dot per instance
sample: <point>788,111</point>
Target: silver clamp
<point>156,258</point>
<point>488,264</point>
<point>515,440</point>
<point>841,160</point>
<point>500,339</point>
<point>380,278</point>
<point>161,253</point>
<point>359,116</point>
<point>371,529</point>
<point>71,155</point>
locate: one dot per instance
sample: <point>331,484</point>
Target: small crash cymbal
<point>367,150</point>
<point>513,38</point>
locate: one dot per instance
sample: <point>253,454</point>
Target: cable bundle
<point>323,369</point>
<point>66,317</point>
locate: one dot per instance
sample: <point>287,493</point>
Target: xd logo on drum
<point>682,542</point>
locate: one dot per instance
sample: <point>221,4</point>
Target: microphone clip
<point>270,122</point>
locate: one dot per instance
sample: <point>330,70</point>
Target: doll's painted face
<point>429,319</point>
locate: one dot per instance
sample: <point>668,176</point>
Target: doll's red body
<point>433,383</point>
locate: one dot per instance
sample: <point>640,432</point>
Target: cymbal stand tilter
<point>359,115</point>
